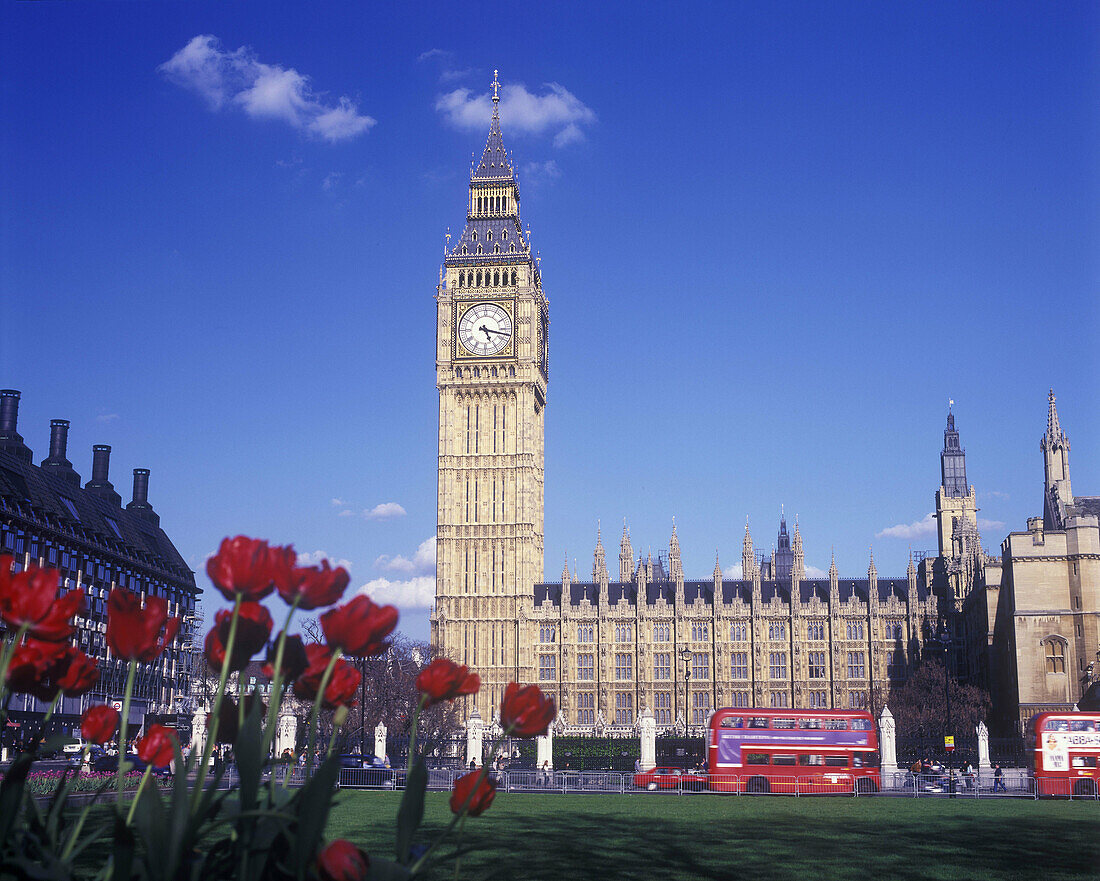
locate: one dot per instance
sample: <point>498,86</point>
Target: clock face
<point>484,329</point>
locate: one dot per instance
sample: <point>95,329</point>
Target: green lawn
<point>658,836</point>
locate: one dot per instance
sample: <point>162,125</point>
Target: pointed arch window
<point>479,249</point>
<point>489,235</point>
<point>1055,649</point>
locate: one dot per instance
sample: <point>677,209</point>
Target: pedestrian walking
<point>999,780</point>
<point>969,776</point>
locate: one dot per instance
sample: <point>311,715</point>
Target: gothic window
<point>700,665</point>
<point>479,248</point>
<point>777,699</point>
<point>496,248</point>
<point>662,665</point>
<point>547,668</point>
<point>699,631</point>
<point>817,665</point>
<point>465,250</point>
<point>777,665</point>
<point>700,707</point>
<point>514,276</point>
<point>479,278</point>
<point>739,699</point>
<point>777,630</point>
<point>894,630</point>
<point>739,665</point>
<point>661,632</point>
<point>461,279</point>
<point>488,235</point>
<point>586,708</point>
<point>584,633</point>
<point>1056,655</point>
<point>624,632</point>
<point>511,371</point>
<point>496,279</point>
<point>512,250</point>
<point>663,701</point>
<point>857,668</point>
<point>504,233</point>
<point>548,633</point>
<point>815,630</point>
<point>473,236</point>
<point>738,631</point>
<point>819,700</point>
<point>857,700</point>
<point>855,630</point>
<point>624,667</point>
<point>585,668</point>
<point>624,709</point>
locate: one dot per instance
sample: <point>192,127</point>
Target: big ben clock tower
<point>492,323</point>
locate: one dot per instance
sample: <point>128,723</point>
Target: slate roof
<point>29,492</point>
<point>495,163</point>
<point>1088,505</point>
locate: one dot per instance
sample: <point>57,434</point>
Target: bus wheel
<point>1085,787</point>
<point>759,785</point>
<point>866,784</point>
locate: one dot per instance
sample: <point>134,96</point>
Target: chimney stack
<point>10,440</point>
<point>57,464</point>
<point>99,484</point>
<point>140,505</point>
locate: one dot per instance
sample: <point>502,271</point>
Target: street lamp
<point>943,638</point>
<point>685,656</point>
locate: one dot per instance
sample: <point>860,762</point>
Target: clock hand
<point>498,332</point>
<point>485,331</point>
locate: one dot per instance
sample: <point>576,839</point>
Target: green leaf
<point>411,812</point>
<point>384,870</point>
<point>11,794</point>
<point>315,798</point>
<point>249,754</point>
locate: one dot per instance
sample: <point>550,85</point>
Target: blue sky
<point>776,239</point>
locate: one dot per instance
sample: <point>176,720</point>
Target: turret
<point>675,568</point>
<point>798,562</point>
<point>1057,490</point>
<point>626,556</point>
<point>748,555</point>
<point>599,561</point>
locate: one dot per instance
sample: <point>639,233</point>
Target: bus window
<point>1056,725</point>
<point>1078,761</point>
<point>861,724</point>
<point>836,761</point>
<point>756,758</point>
<point>811,723</point>
<point>811,760</point>
<point>836,725</point>
<point>784,760</point>
<point>733,722</point>
<point>784,723</point>
<point>758,722</point>
<point>857,761</point>
<point>1080,725</point>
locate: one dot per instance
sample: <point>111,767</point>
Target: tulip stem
<point>212,732</point>
<point>137,795</point>
<point>458,844</point>
<point>315,714</point>
<point>485,767</point>
<point>122,726</point>
<point>412,733</point>
<point>275,704</point>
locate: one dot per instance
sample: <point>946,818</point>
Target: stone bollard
<point>983,748</point>
<point>887,732</point>
<point>380,740</point>
<point>286,734</point>
<point>198,732</point>
<point>647,732</point>
<point>474,730</point>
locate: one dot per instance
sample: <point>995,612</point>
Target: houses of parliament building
<point>608,649</point>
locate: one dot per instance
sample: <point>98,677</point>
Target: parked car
<point>369,772</point>
<point>110,764</point>
<point>670,778</point>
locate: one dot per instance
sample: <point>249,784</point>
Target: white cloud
<point>814,572</point>
<point>314,558</point>
<point>994,494</point>
<point>434,53</point>
<point>331,180</point>
<point>422,562</point>
<point>917,529</point>
<point>263,91</point>
<point>557,110</point>
<point>537,172</point>
<point>339,503</point>
<point>347,512</point>
<point>990,524</point>
<point>384,511</point>
<point>106,417</point>
<point>416,593</point>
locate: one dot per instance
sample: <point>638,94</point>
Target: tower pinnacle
<point>496,92</point>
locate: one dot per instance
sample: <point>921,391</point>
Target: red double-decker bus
<point>1064,753</point>
<point>803,751</point>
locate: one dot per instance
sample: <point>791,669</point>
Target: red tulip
<point>249,568</point>
<point>342,684</point>
<point>359,627</point>
<point>31,598</point>
<point>74,672</point>
<point>253,628</point>
<point>294,659</point>
<point>342,861</point>
<point>315,586</point>
<point>444,680</point>
<point>483,793</point>
<point>31,666</point>
<point>526,712</point>
<point>157,746</point>
<point>135,633</point>
<point>98,723</point>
